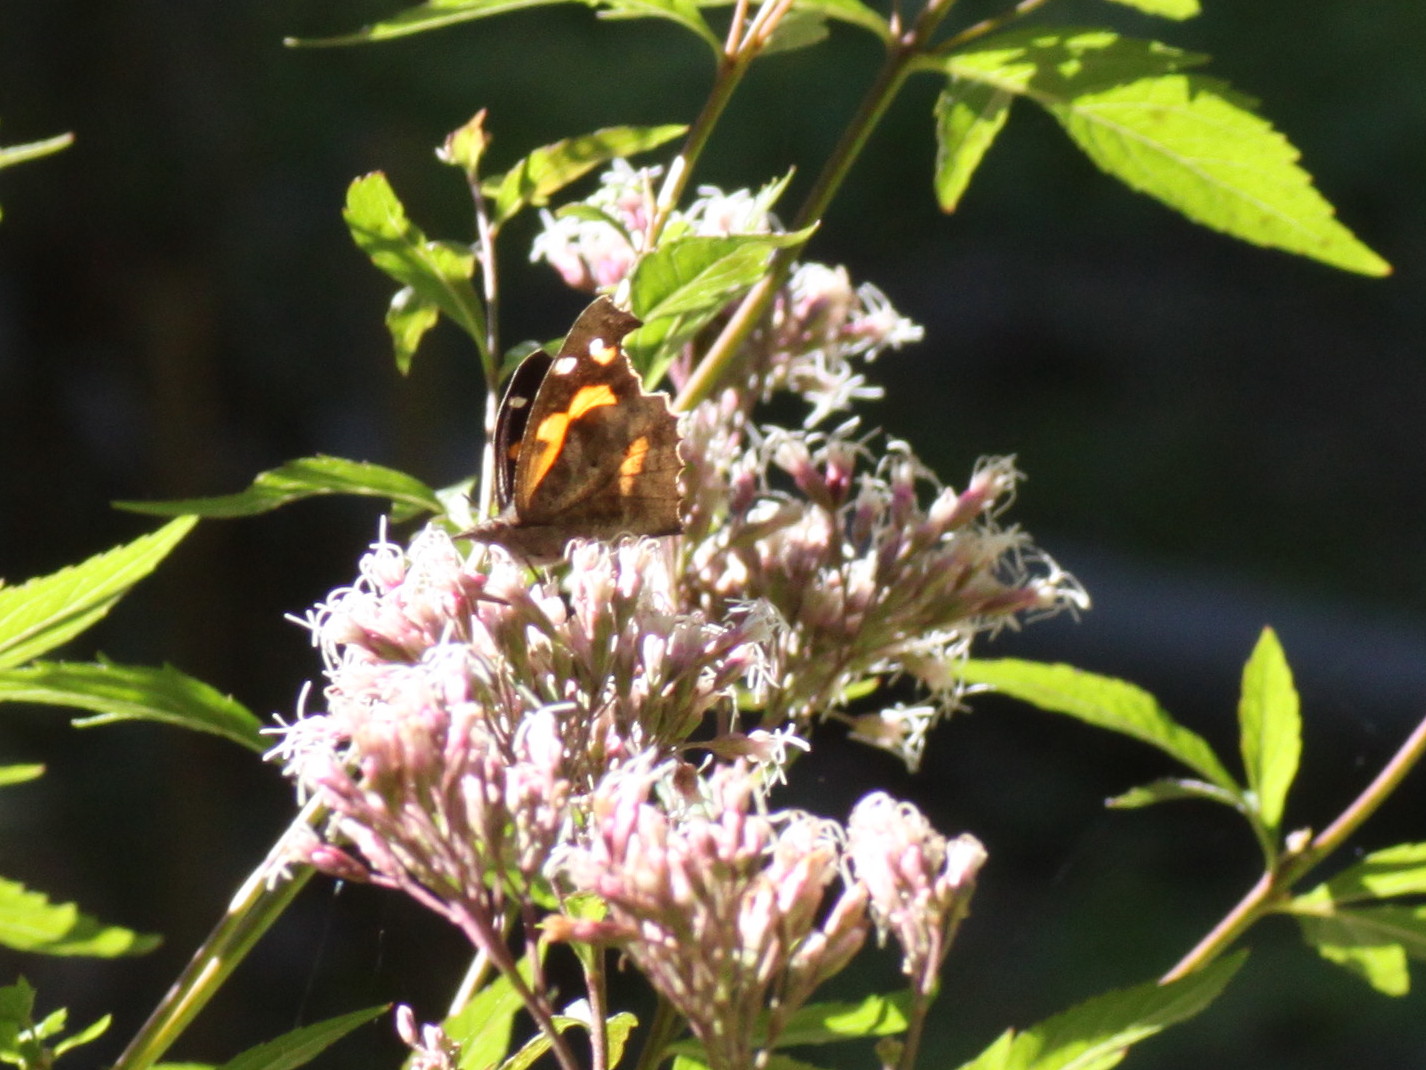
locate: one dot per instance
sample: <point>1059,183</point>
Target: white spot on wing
<point>563,366</point>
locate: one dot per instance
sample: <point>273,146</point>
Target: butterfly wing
<point>598,455</point>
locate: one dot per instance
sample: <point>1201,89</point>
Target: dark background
<point>1218,437</point>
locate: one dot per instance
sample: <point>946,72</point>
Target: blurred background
<point>1217,437</point>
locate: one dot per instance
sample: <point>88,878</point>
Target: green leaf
<point>10,155</point>
<point>618,1030</point>
<point>831,1023</point>
<point>423,17</point>
<point>408,318</point>
<point>301,1046</point>
<point>30,922</point>
<point>1104,702</point>
<point>850,11</point>
<point>1187,140</point>
<point>1392,871</point>
<point>482,1027</point>
<point>19,774</point>
<point>438,272</point>
<point>1373,943</point>
<point>39,615</point>
<point>1271,727</point>
<point>799,28</point>
<point>680,286</point>
<point>306,478</point>
<point>90,1033</point>
<point>134,693</point>
<point>1172,788</point>
<point>1098,1032</point>
<point>1168,9</point>
<point>968,117</point>
<point>683,12</point>
<point>550,168</point>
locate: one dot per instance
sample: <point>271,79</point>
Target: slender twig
<point>1275,885</point>
<point>258,903</point>
<point>485,251</point>
<point>593,962</point>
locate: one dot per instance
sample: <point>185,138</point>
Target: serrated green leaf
<point>1187,140</point>
<point>44,612</point>
<point>1052,64</point>
<point>302,1045</point>
<point>438,272</point>
<point>423,17</point>
<point>10,155</point>
<point>1271,727</point>
<point>550,168</point>
<point>683,12</point>
<point>19,774</point>
<point>1171,788</point>
<point>1104,702</point>
<point>968,117</point>
<point>850,11</point>
<point>1392,871</point>
<point>408,318</point>
<point>1373,943</point>
<point>1167,9</point>
<point>680,286</point>
<point>1098,1032</point>
<point>305,478</point>
<point>30,922</point>
<point>133,693</point>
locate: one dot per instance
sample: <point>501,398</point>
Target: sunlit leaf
<point>1098,1032</point>
<point>30,922</point>
<point>1171,788</point>
<point>438,272</point>
<point>1271,727</point>
<point>680,286</point>
<point>301,1046</point>
<point>1103,702</point>
<point>853,12</point>
<point>408,318</point>
<point>1392,871</point>
<point>547,170</point>
<point>423,17</point>
<point>483,1026</point>
<point>1373,942</point>
<point>305,478</point>
<point>1167,9</point>
<point>1185,139</point>
<point>683,12</point>
<point>10,155</point>
<point>19,774</point>
<point>968,116</point>
<point>41,614</point>
<point>133,693</point>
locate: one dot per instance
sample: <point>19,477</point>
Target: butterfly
<point>581,449</point>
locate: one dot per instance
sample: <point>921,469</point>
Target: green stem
<point>1275,885</point>
<point>259,902</point>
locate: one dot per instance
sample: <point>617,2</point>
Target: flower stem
<point>258,903</point>
<point>1276,883</point>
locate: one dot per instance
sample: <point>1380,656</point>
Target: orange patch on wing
<point>633,464</point>
<point>553,429</point>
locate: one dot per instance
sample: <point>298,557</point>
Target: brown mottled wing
<point>597,456</point>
